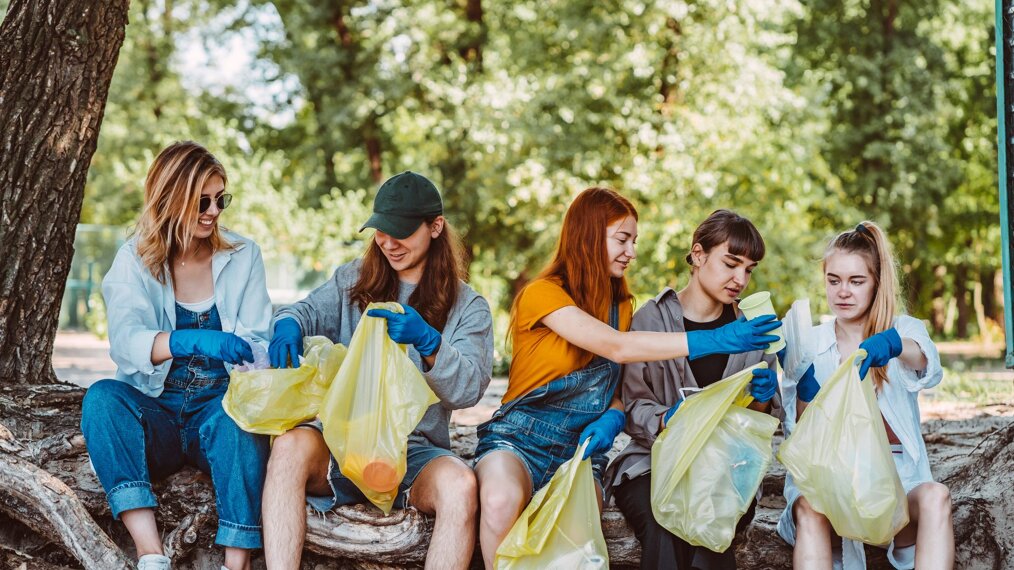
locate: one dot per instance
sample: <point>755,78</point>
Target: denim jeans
<point>134,439</point>
<point>542,427</point>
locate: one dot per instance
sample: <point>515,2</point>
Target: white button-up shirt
<point>138,307</point>
<point>898,400</point>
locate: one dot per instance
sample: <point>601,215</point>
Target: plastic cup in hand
<point>760,304</point>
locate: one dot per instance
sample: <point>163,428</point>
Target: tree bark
<point>961,297</point>
<point>987,276</point>
<point>56,61</point>
<point>939,303</point>
<point>973,457</point>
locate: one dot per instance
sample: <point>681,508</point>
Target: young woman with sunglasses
<point>185,299</point>
<point>861,283</point>
<point>570,335</point>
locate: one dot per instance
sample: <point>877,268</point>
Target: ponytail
<point>869,241</point>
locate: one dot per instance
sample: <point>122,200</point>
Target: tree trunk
<point>987,276</point>
<point>961,298</point>
<point>939,302</point>
<point>56,62</point>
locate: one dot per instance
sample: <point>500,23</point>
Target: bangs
<point>744,240</point>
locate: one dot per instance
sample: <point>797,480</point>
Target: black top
<point>709,369</point>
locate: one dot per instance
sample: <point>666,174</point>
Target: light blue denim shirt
<point>138,307</point>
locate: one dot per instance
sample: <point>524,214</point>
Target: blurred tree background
<point>807,116</point>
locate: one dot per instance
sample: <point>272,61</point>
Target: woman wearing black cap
<point>416,259</point>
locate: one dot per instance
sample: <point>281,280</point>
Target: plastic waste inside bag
<point>260,361</point>
<point>800,346</point>
<point>377,398</point>
<point>840,459</point>
<point>274,400</point>
<point>561,529</point>
<point>709,461</point>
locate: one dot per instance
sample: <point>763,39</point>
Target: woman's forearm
<point>160,349</point>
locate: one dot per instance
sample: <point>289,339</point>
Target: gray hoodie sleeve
<point>642,384</point>
<point>320,312</point>
<point>464,361</point>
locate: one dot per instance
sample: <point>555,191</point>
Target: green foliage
<point>804,116</point>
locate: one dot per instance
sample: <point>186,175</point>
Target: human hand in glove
<point>286,344</point>
<point>738,336</point>
<point>216,345</point>
<point>764,384</point>
<point>409,328</point>
<point>880,349</point>
<point>602,432</point>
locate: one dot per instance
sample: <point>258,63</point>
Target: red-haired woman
<point>569,335</point>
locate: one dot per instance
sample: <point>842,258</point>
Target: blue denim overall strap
<point>582,385</point>
<point>198,369</point>
<point>543,426</point>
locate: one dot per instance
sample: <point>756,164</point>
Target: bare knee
<point>934,498</point>
<point>296,454</point>
<point>807,519</point>
<point>500,504</point>
<point>456,491</point>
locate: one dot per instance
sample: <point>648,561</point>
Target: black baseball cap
<point>403,203</point>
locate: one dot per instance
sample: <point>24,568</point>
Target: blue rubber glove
<point>764,384</point>
<point>286,344</point>
<point>409,328</point>
<point>880,349</point>
<point>217,345</point>
<point>602,432</point>
<point>672,410</point>
<point>736,337</point>
<point>807,387</point>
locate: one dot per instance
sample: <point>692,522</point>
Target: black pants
<point>661,549</point>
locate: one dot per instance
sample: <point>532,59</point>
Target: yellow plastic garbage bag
<point>375,401</point>
<point>274,400</point>
<point>561,529</point>
<point>841,460</point>
<point>709,461</point>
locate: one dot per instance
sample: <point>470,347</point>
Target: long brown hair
<point>580,263</point>
<point>172,192</point>
<point>437,291</point>
<point>869,241</point>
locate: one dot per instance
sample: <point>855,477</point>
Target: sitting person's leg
<point>131,440</point>
<point>236,461</point>
<point>929,537</point>
<point>505,488</point>
<point>813,537</point>
<point>660,549</point>
<point>442,485</point>
<point>298,466</point>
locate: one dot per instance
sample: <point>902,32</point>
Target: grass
<point>974,388</point>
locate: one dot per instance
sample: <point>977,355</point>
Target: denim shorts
<point>344,491</point>
<point>541,455</point>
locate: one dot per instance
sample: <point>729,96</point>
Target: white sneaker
<point>154,562</point>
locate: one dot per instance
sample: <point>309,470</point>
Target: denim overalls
<point>542,427</point>
<point>133,438</point>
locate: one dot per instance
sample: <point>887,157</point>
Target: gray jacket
<point>649,389</point>
<point>464,361</point>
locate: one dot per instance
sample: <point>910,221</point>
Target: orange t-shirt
<point>540,355</point>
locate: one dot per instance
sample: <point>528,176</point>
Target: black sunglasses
<point>222,201</point>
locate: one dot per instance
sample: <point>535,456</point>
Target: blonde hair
<point>869,241</point>
<point>172,193</point>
